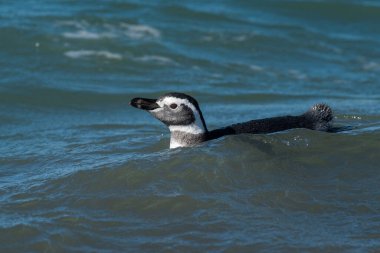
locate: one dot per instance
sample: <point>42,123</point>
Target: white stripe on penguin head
<point>194,128</point>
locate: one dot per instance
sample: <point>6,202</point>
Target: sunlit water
<point>82,171</point>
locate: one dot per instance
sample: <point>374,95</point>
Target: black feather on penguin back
<point>321,116</point>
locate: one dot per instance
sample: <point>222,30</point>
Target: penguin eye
<point>173,106</point>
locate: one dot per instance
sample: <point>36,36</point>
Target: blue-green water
<point>82,171</point>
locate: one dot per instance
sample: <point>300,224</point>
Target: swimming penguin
<point>181,113</point>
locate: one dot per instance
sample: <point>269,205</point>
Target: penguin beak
<point>144,103</point>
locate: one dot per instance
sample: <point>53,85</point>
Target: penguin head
<point>180,112</point>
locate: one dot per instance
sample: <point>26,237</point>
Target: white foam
<point>83,34</point>
<point>207,38</point>
<point>84,30</point>
<point>140,31</point>
<point>256,68</point>
<point>155,59</point>
<point>371,66</point>
<point>297,74</point>
<point>91,53</point>
<point>73,23</point>
<point>240,38</point>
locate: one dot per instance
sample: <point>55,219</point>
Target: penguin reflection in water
<point>181,113</point>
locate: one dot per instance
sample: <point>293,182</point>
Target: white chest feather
<point>190,129</point>
<point>174,143</point>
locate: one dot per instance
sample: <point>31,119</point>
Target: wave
<point>233,162</point>
<point>55,97</point>
<point>149,59</point>
<point>83,34</point>
<point>92,53</point>
<point>371,66</point>
<point>87,31</point>
<point>134,31</point>
<point>155,59</point>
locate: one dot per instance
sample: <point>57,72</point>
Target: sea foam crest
<point>83,34</point>
<point>157,59</point>
<point>140,31</point>
<point>84,30</point>
<point>371,66</point>
<point>92,53</point>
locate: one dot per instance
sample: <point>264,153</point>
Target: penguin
<point>184,118</point>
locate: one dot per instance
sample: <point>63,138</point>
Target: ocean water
<point>82,171</point>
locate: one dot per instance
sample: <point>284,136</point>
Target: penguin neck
<point>187,135</point>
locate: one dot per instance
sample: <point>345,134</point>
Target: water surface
<point>82,171</point>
